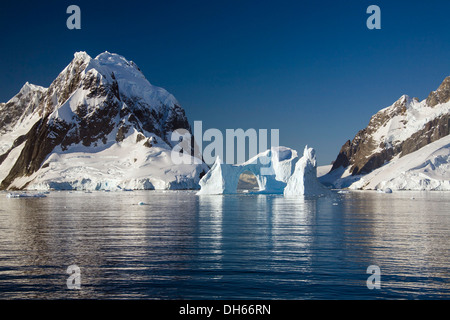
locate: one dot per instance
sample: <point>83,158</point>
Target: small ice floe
<point>142,204</point>
<point>25,195</point>
<point>335,204</point>
<point>387,190</point>
<point>119,188</point>
<point>343,191</point>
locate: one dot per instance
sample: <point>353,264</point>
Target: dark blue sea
<point>177,245</point>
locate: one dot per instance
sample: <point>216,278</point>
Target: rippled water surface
<point>182,246</point>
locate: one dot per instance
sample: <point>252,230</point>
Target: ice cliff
<point>304,179</point>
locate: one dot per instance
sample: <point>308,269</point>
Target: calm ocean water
<point>182,246</point>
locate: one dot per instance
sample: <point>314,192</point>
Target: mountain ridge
<point>398,130</point>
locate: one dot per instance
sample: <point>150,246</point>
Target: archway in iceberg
<point>271,169</point>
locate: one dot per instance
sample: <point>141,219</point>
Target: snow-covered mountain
<point>423,170</point>
<point>100,125</point>
<point>393,133</point>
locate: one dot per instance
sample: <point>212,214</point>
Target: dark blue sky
<point>309,68</point>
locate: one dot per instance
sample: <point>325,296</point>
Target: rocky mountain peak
<point>28,87</point>
<point>404,127</point>
<point>65,84</point>
<point>441,95</point>
<point>20,106</point>
<point>82,55</point>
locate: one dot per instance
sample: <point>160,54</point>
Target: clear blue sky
<point>309,68</point>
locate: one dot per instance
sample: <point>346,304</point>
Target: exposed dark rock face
<point>432,131</point>
<point>40,141</point>
<point>359,153</point>
<point>16,143</point>
<point>19,107</point>
<point>148,144</point>
<point>140,137</point>
<point>176,120</point>
<point>441,95</point>
<point>365,153</point>
<point>65,84</point>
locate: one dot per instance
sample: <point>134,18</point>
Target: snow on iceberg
<point>272,169</point>
<point>304,179</point>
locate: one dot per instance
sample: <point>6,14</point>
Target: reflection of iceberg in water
<point>289,242</point>
<point>210,214</point>
<point>291,230</point>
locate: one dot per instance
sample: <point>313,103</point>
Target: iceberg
<point>304,179</point>
<point>25,195</point>
<point>278,171</point>
<point>272,169</point>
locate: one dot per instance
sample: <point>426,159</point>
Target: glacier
<point>278,170</point>
<point>128,165</point>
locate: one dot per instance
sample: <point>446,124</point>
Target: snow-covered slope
<point>425,169</point>
<point>99,125</point>
<point>18,115</point>
<point>125,165</point>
